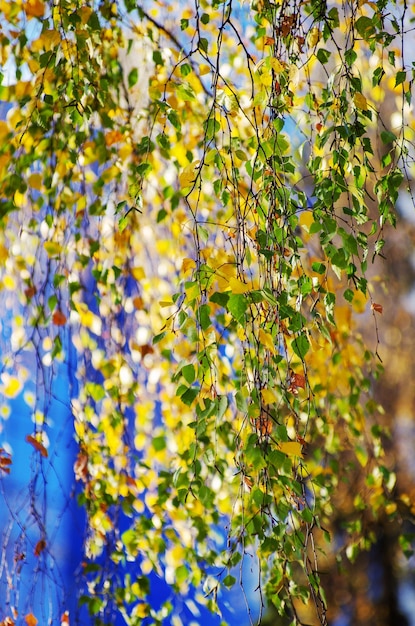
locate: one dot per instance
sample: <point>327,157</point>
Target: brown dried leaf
<point>263,424</point>
<point>39,547</point>
<point>5,461</point>
<point>80,467</point>
<point>30,619</point>
<point>37,445</point>
<point>377,307</point>
<point>247,482</point>
<point>59,318</point>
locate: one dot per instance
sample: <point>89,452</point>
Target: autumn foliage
<point>192,198</point>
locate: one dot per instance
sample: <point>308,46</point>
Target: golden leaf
<point>138,273</point>
<point>314,36</point>
<point>291,448</point>
<point>268,396</point>
<point>188,264</point>
<point>360,101</point>
<point>266,340</point>
<point>276,65</point>
<point>34,8</point>
<point>188,175</point>
<point>53,249</point>
<point>238,286</point>
<point>12,386</point>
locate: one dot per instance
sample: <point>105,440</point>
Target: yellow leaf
<point>138,273</point>
<point>360,101</point>
<point>276,65</point>
<point>9,283</point>
<point>306,219</point>
<point>110,173</point>
<point>125,151</point>
<point>4,130</point>
<point>268,396</point>
<point>210,156</point>
<point>292,448</point>
<point>4,254</point>
<point>188,264</point>
<point>88,319</point>
<point>238,286</point>
<point>51,38</point>
<point>47,40</point>
<point>188,176</point>
<point>266,79</point>
<point>192,291</point>
<point>390,508</point>
<point>142,610</point>
<point>314,36</point>
<point>266,340</point>
<point>85,13</point>
<point>361,455</point>
<point>19,199</point>
<point>52,248</point>
<point>34,8</point>
<point>35,181</point>
<point>359,302</point>
<point>12,386</point>
<point>4,162</point>
<point>227,269</point>
<point>23,88</point>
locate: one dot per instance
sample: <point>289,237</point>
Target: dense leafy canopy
<point>192,196</point>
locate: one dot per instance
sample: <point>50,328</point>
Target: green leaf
<point>157,57</point>
<point>222,406</point>
<point>159,443</point>
<point>185,69</point>
<point>378,74</point>
<point>348,295</point>
<point>189,373</point>
<point>255,458</point>
<point>241,403</point>
<point>320,268</point>
<point>400,78</point>
<point>323,55</point>
<point>300,345</point>
<point>307,515</point>
<point>185,93</point>
<point>350,56</point>
<point>122,224</point>
<point>219,297</point>
<point>229,581</point>
<point>365,27</point>
<point>237,306</point>
<point>189,395</point>
<point>93,22</point>
<point>133,77</point>
<point>158,338</point>
<point>204,316</point>
<point>203,44</point>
